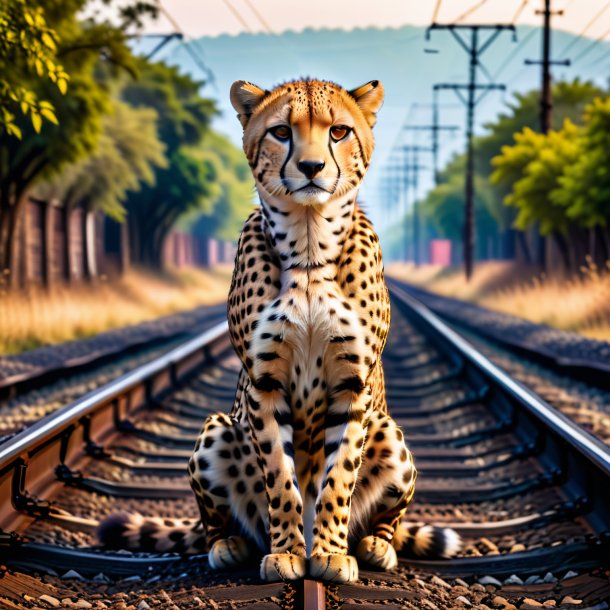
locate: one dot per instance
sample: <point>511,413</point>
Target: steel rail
<point>588,446</point>
<point>58,421</point>
<point>596,373</point>
<point>314,595</point>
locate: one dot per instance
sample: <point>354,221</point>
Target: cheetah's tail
<point>426,541</point>
<point>152,534</point>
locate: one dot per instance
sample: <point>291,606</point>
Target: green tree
<point>584,187</point>
<point>569,102</point>
<point>27,45</point>
<point>185,183</point>
<point>231,196</point>
<point>533,165</point>
<point>444,206</point>
<point>47,148</point>
<point>125,157</point>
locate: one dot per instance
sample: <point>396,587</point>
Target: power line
<point>521,8</point>
<point>165,38</point>
<point>197,59</point>
<point>259,16</point>
<point>237,15</point>
<point>599,59</point>
<point>592,45</point>
<point>471,10</point>
<point>510,58</point>
<point>415,167</point>
<point>475,47</point>
<point>434,130</point>
<point>437,8</point>
<point>546,101</point>
<point>586,29</point>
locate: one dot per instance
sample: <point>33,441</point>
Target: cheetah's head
<point>307,141</point>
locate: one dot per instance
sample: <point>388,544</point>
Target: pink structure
<point>440,252</point>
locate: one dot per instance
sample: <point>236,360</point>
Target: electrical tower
<point>397,181</point>
<point>412,169</point>
<point>546,99</point>
<point>474,48</point>
<point>434,130</point>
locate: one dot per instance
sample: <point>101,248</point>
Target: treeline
<point>86,122</point>
<point>527,183</point>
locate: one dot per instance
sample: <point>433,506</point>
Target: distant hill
<point>401,58</point>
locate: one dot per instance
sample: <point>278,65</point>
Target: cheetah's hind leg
<point>228,486</point>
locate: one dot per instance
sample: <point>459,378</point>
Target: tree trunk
<point>604,244</point>
<point>525,249</point>
<point>67,248</point>
<point>13,246</point>
<point>10,267</point>
<point>562,248</point>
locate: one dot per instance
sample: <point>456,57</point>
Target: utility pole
<point>546,101</point>
<point>434,129</point>
<point>397,180</point>
<point>475,48</point>
<point>413,168</point>
<point>165,38</point>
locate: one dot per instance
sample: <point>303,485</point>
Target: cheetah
<point>308,469</point>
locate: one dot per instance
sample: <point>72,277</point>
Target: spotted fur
<point>308,464</point>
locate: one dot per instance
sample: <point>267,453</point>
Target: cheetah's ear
<point>369,98</point>
<point>245,97</point>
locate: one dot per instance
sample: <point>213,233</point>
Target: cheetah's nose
<point>311,168</point>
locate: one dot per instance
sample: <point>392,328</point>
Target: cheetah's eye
<point>338,132</point>
<point>281,132</point>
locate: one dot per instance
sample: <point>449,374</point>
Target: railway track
<point>527,488</point>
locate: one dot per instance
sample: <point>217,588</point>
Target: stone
<point>143,606</point>
<point>440,582</point>
<point>549,578</point>
<point>52,601</point>
<point>513,579</point>
<point>463,600</point>
<point>570,574</point>
<point>571,600</point>
<point>490,580</point>
<point>502,603</point>
<point>532,602</point>
<point>72,574</point>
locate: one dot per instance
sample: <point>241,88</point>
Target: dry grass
<point>35,318</point>
<point>580,304</point>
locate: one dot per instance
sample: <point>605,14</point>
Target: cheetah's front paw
<point>283,566</point>
<point>228,553</point>
<point>333,567</point>
<point>377,552</point>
